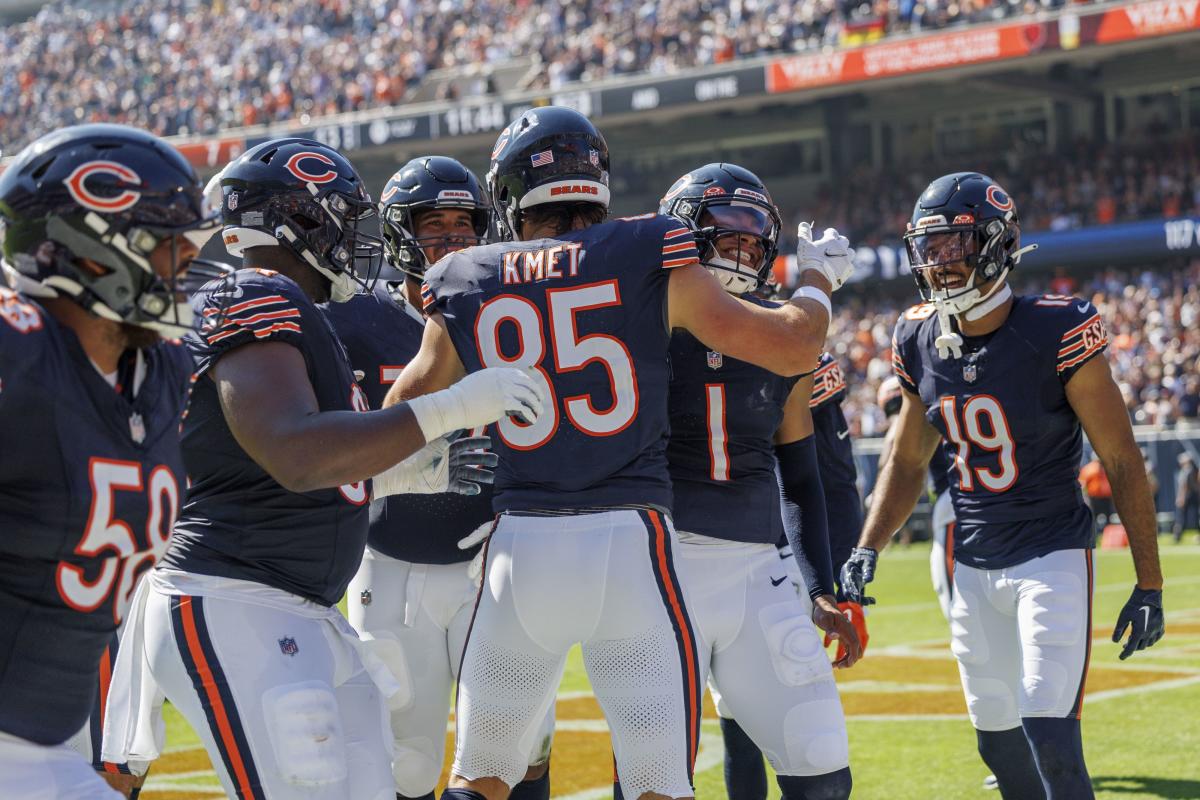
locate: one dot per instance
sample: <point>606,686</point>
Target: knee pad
<point>306,735</point>
<point>415,767</point>
<point>815,734</point>
<point>796,652</point>
<point>386,647</point>
<point>830,786</point>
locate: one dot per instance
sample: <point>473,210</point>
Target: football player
<point>413,593</point>
<point>732,425</point>
<point>1007,382</point>
<point>941,554</point>
<point>745,775</point>
<point>237,626</point>
<point>583,548</point>
<point>99,225</point>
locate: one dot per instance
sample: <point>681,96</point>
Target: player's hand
<point>830,255</point>
<point>475,537</point>
<point>471,462</point>
<point>494,392</point>
<point>830,619</point>
<point>1143,611</point>
<point>858,618</point>
<point>479,399</point>
<point>857,572</point>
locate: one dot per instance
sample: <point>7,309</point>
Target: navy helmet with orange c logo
<point>82,210</point>
<point>307,197</point>
<point>963,217</point>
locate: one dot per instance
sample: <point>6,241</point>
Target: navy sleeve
<point>260,308</point>
<point>829,383</point>
<point>804,514</point>
<point>903,364</point>
<point>20,323</point>
<point>1083,334</point>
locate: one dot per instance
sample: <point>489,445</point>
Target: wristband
<point>813,293</point>
<point>438,413</point>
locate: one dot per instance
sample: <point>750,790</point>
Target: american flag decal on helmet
<point>542,159</point>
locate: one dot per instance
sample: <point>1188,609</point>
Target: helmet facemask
<point>405,251</point>
<point>105,264</point>
<point>738,240</point>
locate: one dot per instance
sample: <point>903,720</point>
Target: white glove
<point>477,536</point>
<point>830,255</point>
<point>446,464</point>
<point>480,398</point>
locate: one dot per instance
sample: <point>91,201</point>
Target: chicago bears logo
<point>76,184</point>
<point>999,198</point>
<point>674,191</point>
<point>501,143</point>
<point>388,194</point>
<point>293,166</point>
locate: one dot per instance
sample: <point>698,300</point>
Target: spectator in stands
<point>1187,497</point>
<point>1098,492</point>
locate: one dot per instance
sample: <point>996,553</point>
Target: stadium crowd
<point>199,66</point>
<point>1153,319</point>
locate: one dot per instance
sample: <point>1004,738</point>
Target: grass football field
<point>909,734</point>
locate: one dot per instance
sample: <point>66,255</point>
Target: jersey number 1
<point>571,353</point>
<point>982,425</point>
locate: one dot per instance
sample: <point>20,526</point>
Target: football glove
<point>477,536</point>
<point>479,399</point>
<point>857,572</point>
<point>830,255</point>
<point>447,464</point>
<point>858,618</point>
<point>1143,611</point>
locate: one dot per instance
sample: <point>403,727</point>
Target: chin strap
<point>989,304</point>
<point>948,341</point>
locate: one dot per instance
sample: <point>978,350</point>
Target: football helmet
<point>82,210</point>
<point>547,155</point>
<point>963,217</point>
<point>722,200</point>
<point>425,183</point>
<point>302,195</point>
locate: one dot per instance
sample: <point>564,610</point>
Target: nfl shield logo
<point>232,203</point>
<point>365,597</point>
<point>288,646</point>
<point>970,372</point>
<point>137,427</point>
<point>715,359</point>
<point>594,157</point>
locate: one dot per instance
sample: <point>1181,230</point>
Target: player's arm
<point>1097,403</point>
<point>1096,400</point>
<point>272,410</point>
<point>786,340</point>
<point>436,365</point>
<point>897,489</point>
<point>805,519</point>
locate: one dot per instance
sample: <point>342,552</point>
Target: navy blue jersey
<point>835,456</point>
<point>381,333</point>
<point>939,469</point>
<point>586,312</point>
<point>724,414</point>
<point>90,481</point>
<point>238,522</point>
<point>1003,414</point>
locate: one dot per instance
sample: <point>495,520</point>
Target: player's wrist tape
<point>439,413</point>
<point>813,293</point>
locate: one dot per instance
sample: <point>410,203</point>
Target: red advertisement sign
<point>979,45</point>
